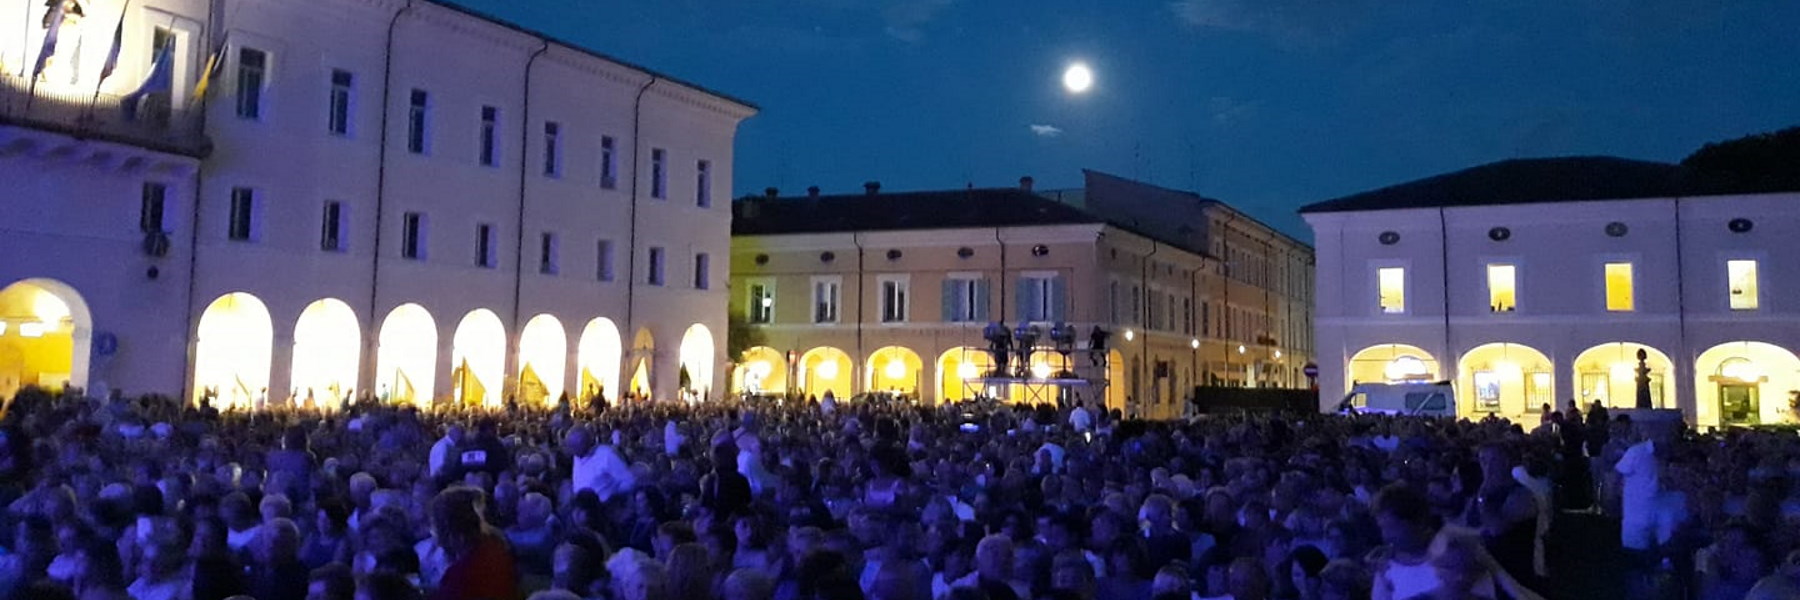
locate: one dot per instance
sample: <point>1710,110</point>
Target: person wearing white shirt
<point>1081,419</point>
<point>597,467</point>
<point>440,451</point>
<point>1639,468</point>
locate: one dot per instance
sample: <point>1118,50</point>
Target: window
<point>417,119</point>
<point>337,120</point>
<point>659,180</point>
<point>893,299</point>
<point>825,300</point>
<point>243,215</point>
<point>1187,316</point>
<point>603,269</point>
<point>702,271</point>
<point>412,236</point>
<point>609,162</point>
<point>490,137</point>
<point>253,67</point>
<point>485,256</point>
<point>1137,305</point>
<point>965,300</point>
<point>762,302</point>
<point>655,276</point>
<point>1151,312</point>
<point>1205,318</point>
<point>150,207</point>
<point>1619,284</point>
<point>1742,276</point>
<point>703,184</point>
<point>552,149</point>
<point>331,227</point>
<point>1502,291</point>
<point>1041,298</point>
<point>1112,300</point>
<point>1391,295</point>
<point>547,253</point>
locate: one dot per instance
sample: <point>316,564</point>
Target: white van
<point>1420,399</point>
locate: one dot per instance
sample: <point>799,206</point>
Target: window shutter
<point>1027,302</point>
<point>983,288</point>
<point>1059,299</point>
<point>952,307</point>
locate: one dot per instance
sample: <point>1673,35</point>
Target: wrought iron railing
<point>147,120</point>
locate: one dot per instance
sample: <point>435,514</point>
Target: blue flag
<point>161,80</point>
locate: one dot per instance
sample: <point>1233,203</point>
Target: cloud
<point>906,18</point>
<point>1290,21</point>
<point>1046,130</point>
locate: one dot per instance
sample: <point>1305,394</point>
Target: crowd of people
<point>153,500</point>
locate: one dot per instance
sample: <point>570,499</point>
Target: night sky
<point>1266,104</point>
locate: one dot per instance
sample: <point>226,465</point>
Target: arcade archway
<point>958,371</point>
<point>697,359</point>
<point>1745,383</point>
<point>763,370</point>
<point>598,353</point>
<point>1505,379</point>
<point>406,356</point>
<point>478,359</point>
<point>45,336</point>
<point>543,352</point>
<point>1392,363</point>
<point>327,353</point>
<point>826,369</point>
<point>1607,374</point>
<point>894,369</point>
<point>643,355</point>
<point>232,350</point>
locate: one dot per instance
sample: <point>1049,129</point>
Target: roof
<point>586,50</point>
<point>1523,181</point>
<point>947,209</point>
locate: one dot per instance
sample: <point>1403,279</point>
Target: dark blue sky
<point>1266,104</point>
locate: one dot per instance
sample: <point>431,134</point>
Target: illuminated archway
<point>543,352</point>
<point>826,369</point>
<point>327,352</point>
<point>45,336</point>
<point>697,359</point>
<point>1505,379</point>
<point>894,369</point>
<point>598,353</point>
<point>763,370</point>
<point>1045,363</point>
<point>1391,363</point>
<point>643,353</point>
<point>232,351</point>
<point>478,359</point>
<point>1745,383</point>
<point>956,368</point>
<point>406,356</point>
<point>1607,373</point>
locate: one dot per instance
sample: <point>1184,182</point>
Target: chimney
<point>872,187</point>
<point>1025,183</point>
<point>812,191</point>
<point>771,193</point>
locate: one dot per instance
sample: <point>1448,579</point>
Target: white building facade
<point>371,196</point>
<point>1523,303</point>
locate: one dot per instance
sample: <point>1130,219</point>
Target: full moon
<point>1078,78</point>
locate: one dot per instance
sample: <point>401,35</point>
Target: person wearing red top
<point>481,563</point>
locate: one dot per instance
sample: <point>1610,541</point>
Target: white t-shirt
<point>1639,471</point>
<point>603,471</point>
<point>1081,420</point>
<point>1407,581</point>
<point>440,452</point>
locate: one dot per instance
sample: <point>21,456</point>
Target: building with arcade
<point>890,292</point>
<point>1529,283</point>
<point>262,199</point>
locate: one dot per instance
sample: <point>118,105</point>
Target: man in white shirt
<point>597,467</point>
<point>1081,419</point>
<point>1640,468</point>
<point>440,451</point>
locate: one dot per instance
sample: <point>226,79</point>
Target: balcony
<point>153,125</point>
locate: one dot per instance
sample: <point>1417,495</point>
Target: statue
<point>1643,380</point>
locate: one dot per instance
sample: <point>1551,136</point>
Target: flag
<point>52,26</point>
<point>161,80</point>
<point>112,56</point>
<point>213,65</point>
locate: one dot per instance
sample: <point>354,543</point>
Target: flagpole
<point>112,60</point>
